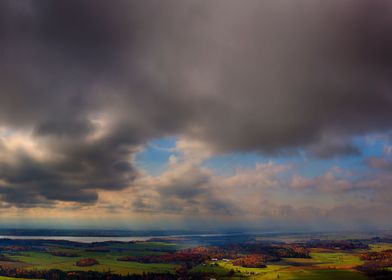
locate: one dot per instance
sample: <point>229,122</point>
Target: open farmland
<point>282,272</point>
<point>12,278</point>
<point>219,258</point>
<point>106,256</point>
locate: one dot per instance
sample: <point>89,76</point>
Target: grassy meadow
<point>279,271</point>
<point>321,263</point>
<point>326,265</point>
<point>107,260</point>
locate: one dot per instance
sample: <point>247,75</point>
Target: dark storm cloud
<point>334,145</point>
<point>261,76</point>
<point>76,176</point>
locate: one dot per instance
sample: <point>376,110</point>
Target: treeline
<point>55,274</point>
<point>177,257</point>
<point>253,261</point>
<point>377,256</point>
<point>246,255</point>
<point>375,271</point>
<point>336,244</point>
<point>64,254</point>
<point>15,248</point>
<point>98,250</point>
<point>6,259</point>
<point>86,262</point>
<point>377,264</point>
<point>191,256</point>
<point>270,252</point>
<point>234,251</point>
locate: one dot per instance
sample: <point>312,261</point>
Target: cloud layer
<point>84,85</point>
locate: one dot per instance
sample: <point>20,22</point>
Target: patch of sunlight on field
<point>311,275</point>
<point>298,261</point>
<point>323,260</point>
<point>336,259</point>
<point>320,266</point>
<point>380,247</point>
<point>245,270</point>
<point>224,268</point>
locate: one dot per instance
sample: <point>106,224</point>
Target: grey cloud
<point>186,184</point>
<point>76,175</point>
<point>379,163</point>
<point>336,145</point>
<point>60,128</point>
<point>241,76</point>
<point>186,189</point>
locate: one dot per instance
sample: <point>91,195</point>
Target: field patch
<point>32,260</point>
<point>336,260</point>
<point>380,247</point>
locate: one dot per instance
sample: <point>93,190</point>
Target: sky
<point>221,114</point>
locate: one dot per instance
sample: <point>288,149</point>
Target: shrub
<point>87,262</point>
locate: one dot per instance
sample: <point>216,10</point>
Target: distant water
<point>89,239</point>
<point>82,239</point>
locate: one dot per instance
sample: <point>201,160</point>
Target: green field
<point>330,265</point>
<point>319,266</point>
<point>278,272</point>
<point>333,260</point>
<point>336,259</point>
<point>107,260</point>
<point>322,264</point>
<point>380,247</point>
<point>313,275</point>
